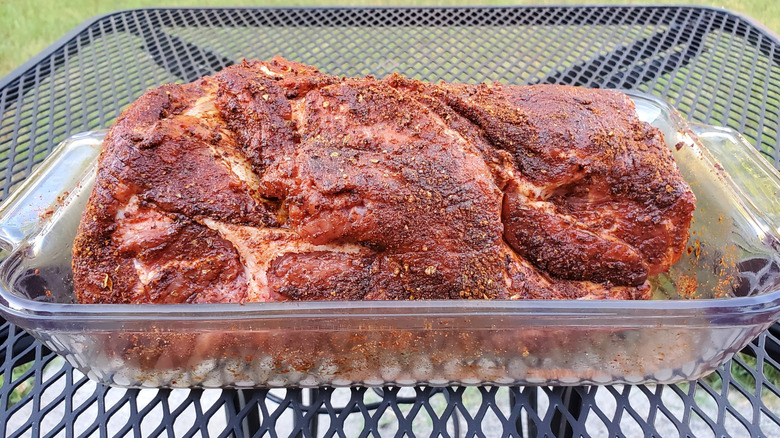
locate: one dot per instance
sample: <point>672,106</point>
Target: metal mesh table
<point>714,66</point>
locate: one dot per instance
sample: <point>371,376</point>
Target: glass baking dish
<point>723,293</point>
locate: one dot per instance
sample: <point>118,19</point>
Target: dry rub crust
<point>273,181</point>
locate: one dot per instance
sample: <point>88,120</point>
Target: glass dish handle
<point>750,172</point>
<point>30,205</point>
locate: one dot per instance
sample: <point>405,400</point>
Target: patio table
<point>715,66</point>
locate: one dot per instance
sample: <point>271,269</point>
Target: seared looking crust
<point>272,181</point>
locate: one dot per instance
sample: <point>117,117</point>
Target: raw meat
<point>272,181</point>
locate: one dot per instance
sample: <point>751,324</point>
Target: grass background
<point>29,26</point>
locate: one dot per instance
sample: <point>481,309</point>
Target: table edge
<point>53,47</point>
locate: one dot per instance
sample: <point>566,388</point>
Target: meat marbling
<point>272,181</point>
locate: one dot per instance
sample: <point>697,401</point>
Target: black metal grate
<point>714,66</point>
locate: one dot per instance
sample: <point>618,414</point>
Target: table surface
<point>714,66</point>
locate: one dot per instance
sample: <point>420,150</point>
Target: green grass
<point>743,377</point>
<point>23,388</point>
<point>29,26</point>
